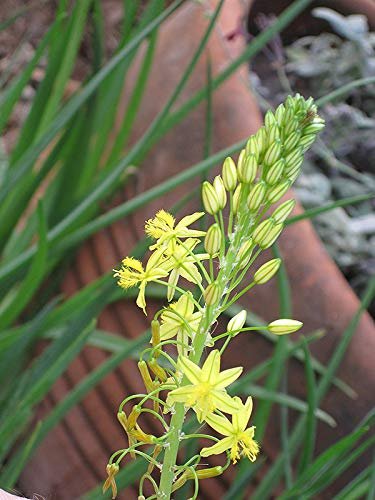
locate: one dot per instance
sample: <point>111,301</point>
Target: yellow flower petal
<point>241,419</point>
<point>224,402</point>
<point>227,377</point>
<point>219,447</point>
<point>211,367</point>
<point>190,369</point>
<point>220,424</point>
<point>189,219</point>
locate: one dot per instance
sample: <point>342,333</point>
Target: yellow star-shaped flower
<point>180,320</point>
<point>183,264</point>
<point>238,439</point>
<point>206,393</point>
<point>163,228</point>
<point>132,272</point>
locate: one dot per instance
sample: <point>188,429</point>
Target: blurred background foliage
<point>62,161</point>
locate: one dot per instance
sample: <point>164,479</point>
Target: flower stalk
<point>187,377</point>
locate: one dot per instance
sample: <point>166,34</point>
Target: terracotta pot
<point>73,457</point>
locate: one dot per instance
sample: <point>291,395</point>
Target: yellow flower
<point>132,272</point>
<point>183,264</point>
<point>238,438</point>
<point>181,320</point>
<point>206,393</point>
<point>163,229</point>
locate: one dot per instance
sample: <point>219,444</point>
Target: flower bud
<point>236,199</point>
<point>273,153</point>
<point>209,197</point>
<point>282,211</point>
<point>294,173</point>
<point>267,271</point>
<point>275,171</point>
<point>290,125</point>
<point>252,147</point>
<point>247,171</point>
<point>293,158</point>
<point>237,322</point>
<point>273,134</point>
<point>272,236</point>
<point>306,141</point>
<point>212,294</point>
<point>278,191</point>
<point>240,162</point>
<point>313,128</point>
<point>157,370</point>
<point>256,196</point>
<point>220,191</point>
<point>229,173</point>
<point>261,138</point>
<point>262,231</point>
<point>155,335</point>
<point>244,253</point>
<point>146,377</point>
<point>213,240</point>
<point>279,113</point>
<point>292,141</point>
<point>284,326</point>
<point>269,119</point>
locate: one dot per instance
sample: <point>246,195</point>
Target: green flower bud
<point>155,334</point>
<point>284,326</point>
<point>262,231</point>
<point>269,119</point>
<point>237,322</point>
<point>273,153</point>
<point>248,170</point>
<point>236,199</point>
<point>252,147</point>
<point>272,236</point>
<point>279,113</point>
<point>290,126</point>
<point>275,171</point>
<point>282,212</point>
<point>306,141</point>
<point>256,196</point>
<point>212,294</point>
<point>229,174</point>
<point>292,141</point>
<point>220,191</point>
<point>314,128</point>
<point>292,159</point>
<point>244,253</point>
<point>261,138</point>
<point>273,135</point>
<point>209,197</point>
<point>267,271</point>
<point>240,163</point>
<point>294,173</point>
<point>213,240</point>
<point>289,122</point>
<point>278,191</point>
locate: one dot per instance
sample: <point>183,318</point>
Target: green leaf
<point>279,397</point>
<point>310,432</point>
<point>333,457</point>
<point>24,164</point>
<point>272,478</point>
<point>33,278</point>
<point>12,470</point>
